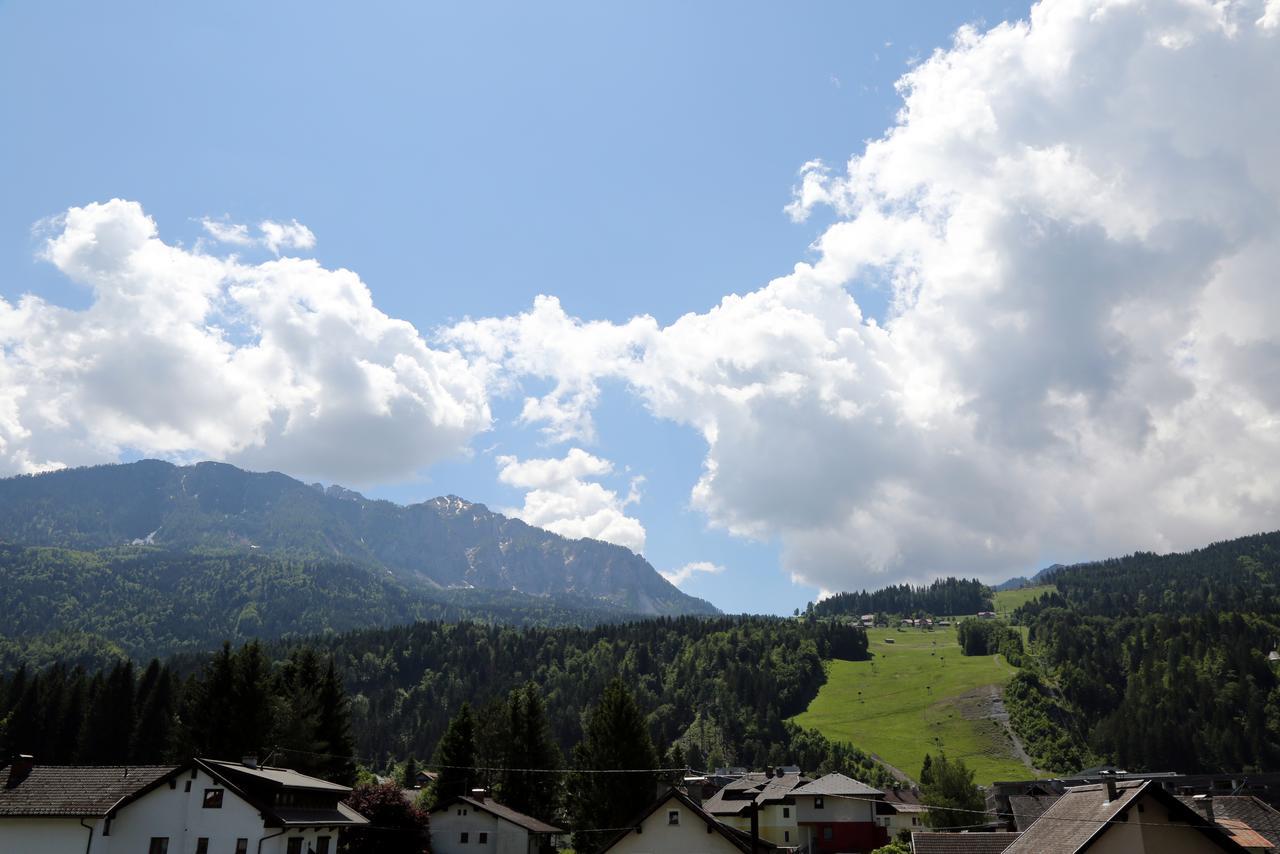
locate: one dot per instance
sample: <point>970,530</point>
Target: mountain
<point>1044,576</point>
<point>92,549</point>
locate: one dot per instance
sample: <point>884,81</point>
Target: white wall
<point>447,827</point>
<point>52,835</point>
<point>835,809</point>
<point>690,836</point>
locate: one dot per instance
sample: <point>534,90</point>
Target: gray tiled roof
<point>278,776</point>
<point>961,843</point>
<point>1261,817</point>
<point>836,784</point>
<point>75,790</point>
<point>1027,808</point>
<point>1075,818</point>
<point>519,819</point>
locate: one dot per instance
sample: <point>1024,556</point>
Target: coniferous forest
<point>1157,662</point>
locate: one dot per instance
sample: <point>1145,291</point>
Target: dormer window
<point>673,816</point>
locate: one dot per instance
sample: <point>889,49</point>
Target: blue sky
<point>629,159</point>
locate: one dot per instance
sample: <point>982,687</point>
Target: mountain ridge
<point>445,543</point>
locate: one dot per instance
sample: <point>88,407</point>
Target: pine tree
<point>332,731</point>
<point>251,701</point>
<point>615,737</point>
<point>409,776</point>
<point>109,723</point>
<point>526,785</point>
<point>455,757</point>
<point>152,734</point>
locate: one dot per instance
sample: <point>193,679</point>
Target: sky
<point>789,298</point>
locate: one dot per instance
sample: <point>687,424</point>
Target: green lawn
<point>1007,600</point>
<point>916,696</point>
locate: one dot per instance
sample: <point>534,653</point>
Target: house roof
<point>1027,808</point>
<point>1083,814</point>
<point>923,842</point>
<point>736,797</point>
<point>276,777</point>
<point>506,813</point>
<point>1255,813</point>
<point>1242,834</point>
<point>75,790</point>
<point>900,801</point>
<point>737,838</point>
<point>834,785</point>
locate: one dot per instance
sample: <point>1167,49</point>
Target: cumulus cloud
<point>283,364</point>
<point>564,496</point>
<point>272,235</point>
<point>684,573</point>
<point>1078,216</point>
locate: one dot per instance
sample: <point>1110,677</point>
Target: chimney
<point>250,761</point>
<point>19,769</point>
<point>1204,806</point>
<point>478,795</point>
<point>1109,780</point>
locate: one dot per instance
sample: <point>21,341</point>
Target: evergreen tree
<point>108,727</point>
<point>153,732</point>
<point>251,702</point>
<point>455,758</point>
<point>333,730</point>
<point>525,785</point>
<point>953,798</point>
<point>614,738</point>
<point>409,776</point>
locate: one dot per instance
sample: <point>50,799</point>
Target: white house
<point>201,807</point>
<point>838,814</point>
<point>480,825</point>
<point>674,824</point>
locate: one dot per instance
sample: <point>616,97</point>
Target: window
<point>673,816</point>
<point>295,845</point>
<point>202,845</point>
<point>213,799</point>
<point>242,846</point>
<point>786,836</point>
<point>464,838</point>
<point>817,803</point>
<point>826,833</point>
<point>483,838</point>
<point>322,845</point>
<point>187,786</point>
<point>159,845</point>
<point>786,812</point>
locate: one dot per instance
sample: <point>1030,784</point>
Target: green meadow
<point>919,695</point>
<point>1007,600</point>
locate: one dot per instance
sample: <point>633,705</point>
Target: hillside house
<point>675,824</point>
<point>201,806</point>
<point>1131,816</point>
<point>901,811</point>
<point>480,825</point>
<point>769,795</point>
<point>838,814</point>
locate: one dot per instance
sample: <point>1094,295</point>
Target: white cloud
<point>684,573</point>
<point>1079,357</point>
<point>283,364</point>
<point>564,497</point>
<point>275,236</point>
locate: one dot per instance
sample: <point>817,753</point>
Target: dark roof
<point>737,795</point>
<point>961,843</point>
<point>735,837</point>
<point>1027,808</point>
<point>75,790</point>
<point>836,784</point>
<point>1257,814</point>
<point>275,777</point>
<point>1083,814</point>
<point>900,801</point>
<point>506,813</point>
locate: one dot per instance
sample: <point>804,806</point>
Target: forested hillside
<point>1160,660</point>
<point>718,688</point>
<point>144,601</point>
<point>945,596</point>
<point>445,543</point>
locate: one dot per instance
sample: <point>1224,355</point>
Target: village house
<point>900,811</point>
<point>1131,816</point>
<point>675,824</point>
<point>838,814</point>
<point>201,806</point>
<point>479,824</point>
<point>764,798</point>
<point>930,842</point>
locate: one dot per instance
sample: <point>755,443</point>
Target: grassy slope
<point>1007,600</point>
<point>914,697</point>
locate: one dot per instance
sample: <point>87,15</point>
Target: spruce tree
<point>528,783</point>
<point>455,757</point>
<point>108,726</point>
<point>153,732</point>
<point>615,738</point>
<point>333,729</point>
